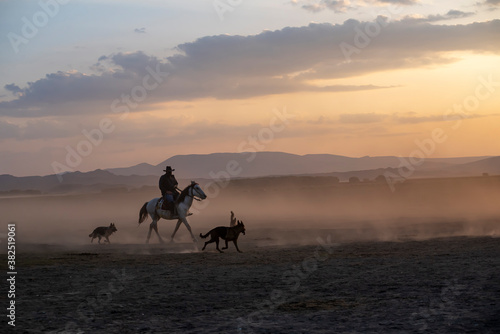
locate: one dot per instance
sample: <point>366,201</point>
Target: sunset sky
<point>87,84</point>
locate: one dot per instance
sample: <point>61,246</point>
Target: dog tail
<point>143,213</point>
<point>204,236</point>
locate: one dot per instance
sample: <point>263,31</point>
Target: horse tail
<point>91,234</point>
<point>204,236</point>
<point>143,214</point>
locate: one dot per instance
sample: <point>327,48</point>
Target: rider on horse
<point>168,186</point>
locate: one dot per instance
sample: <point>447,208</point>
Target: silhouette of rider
<point>168,186</point>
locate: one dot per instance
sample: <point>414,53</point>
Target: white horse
<point>182,204</point>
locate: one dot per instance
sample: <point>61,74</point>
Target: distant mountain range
<point>249,164</point>
<point>244,165</point>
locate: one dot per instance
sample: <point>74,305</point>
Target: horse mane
<point>184,193</point>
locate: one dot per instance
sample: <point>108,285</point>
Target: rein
<point>190,193</point>
<point>193,196</point>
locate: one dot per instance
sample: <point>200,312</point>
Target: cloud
<point>492,2</point>
<point>362,118</point>
<point>455,14</point>
<point>14,89</point>
<point>318,6</point>
<point>140,30</point>
<point>450,15</point>
<point>399,2</point>
<point>56,93</point>
<point>237,67</point>
<point>488,5</point>
<point>340,6</point>
<point>404,118</point>
<point>413,118</point>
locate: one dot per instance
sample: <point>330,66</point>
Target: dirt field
<point>318,258</point>
<point>439,285</point>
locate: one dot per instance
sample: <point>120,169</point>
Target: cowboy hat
<point>168,169</point>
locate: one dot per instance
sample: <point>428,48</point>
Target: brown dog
<point>103,232</point>
<point>226,233</point>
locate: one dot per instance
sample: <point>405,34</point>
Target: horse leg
<point>158,234</point>
<point>175,230</point>
<point>184,220</point>
<point>150,229</point>
<point>226,245</point>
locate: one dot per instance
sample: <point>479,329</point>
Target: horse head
<point>197,191</point>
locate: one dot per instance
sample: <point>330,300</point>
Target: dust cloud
<point>276,211</point>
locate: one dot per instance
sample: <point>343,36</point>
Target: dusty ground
<point>328,285</point>
<point>318,258</point>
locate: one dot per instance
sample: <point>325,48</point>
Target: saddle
<point>167,206</point>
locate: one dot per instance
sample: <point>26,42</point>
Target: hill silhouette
<point>250,164</point>
<point>206,167</point>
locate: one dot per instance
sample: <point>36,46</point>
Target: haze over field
<point>276,211</point>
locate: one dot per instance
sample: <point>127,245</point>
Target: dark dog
<point>103,232</point>
<point>226,233</point>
